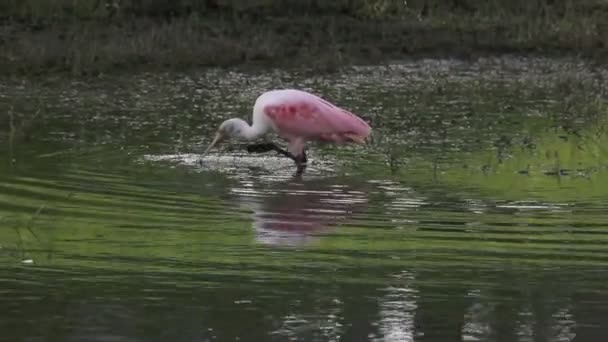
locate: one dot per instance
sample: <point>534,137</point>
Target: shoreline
<point>325,44</point>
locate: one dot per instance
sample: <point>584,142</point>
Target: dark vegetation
<point>93,36</point>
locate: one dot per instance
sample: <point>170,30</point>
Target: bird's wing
<point>315,118</point>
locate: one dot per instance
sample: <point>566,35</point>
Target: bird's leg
<point>301,162</point>
<point>297,148</point>
<point>304,159</point>
<point>299,158</point>
<point>266,147</point>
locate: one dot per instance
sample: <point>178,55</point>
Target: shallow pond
<point>477,211</point>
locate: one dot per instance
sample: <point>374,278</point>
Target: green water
<point>477,212</point>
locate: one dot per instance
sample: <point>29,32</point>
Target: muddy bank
<point>325,42</point>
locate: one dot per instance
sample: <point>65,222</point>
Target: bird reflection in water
<point>294,212</point>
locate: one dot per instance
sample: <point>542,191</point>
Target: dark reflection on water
<point>477,213</point>
<point>423,305</point>
<point>291,213</point>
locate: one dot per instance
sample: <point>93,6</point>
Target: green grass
<point>96,36</point>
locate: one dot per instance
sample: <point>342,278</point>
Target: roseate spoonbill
<point>298,117</point>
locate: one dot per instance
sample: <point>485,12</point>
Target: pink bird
<point>298,117</point>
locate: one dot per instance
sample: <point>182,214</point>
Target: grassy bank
<point>93,36</point>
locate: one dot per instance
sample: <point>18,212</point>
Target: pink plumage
<point>296,114</point>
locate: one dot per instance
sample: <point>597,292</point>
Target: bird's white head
<point>231,128</point>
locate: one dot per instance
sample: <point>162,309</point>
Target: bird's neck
<point>251,132</point>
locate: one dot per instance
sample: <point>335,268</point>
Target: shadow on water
<point>477,213</point>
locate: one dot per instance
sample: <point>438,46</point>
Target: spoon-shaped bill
<point>217,139</point>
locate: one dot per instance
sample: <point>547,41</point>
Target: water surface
<point>477,212</point>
